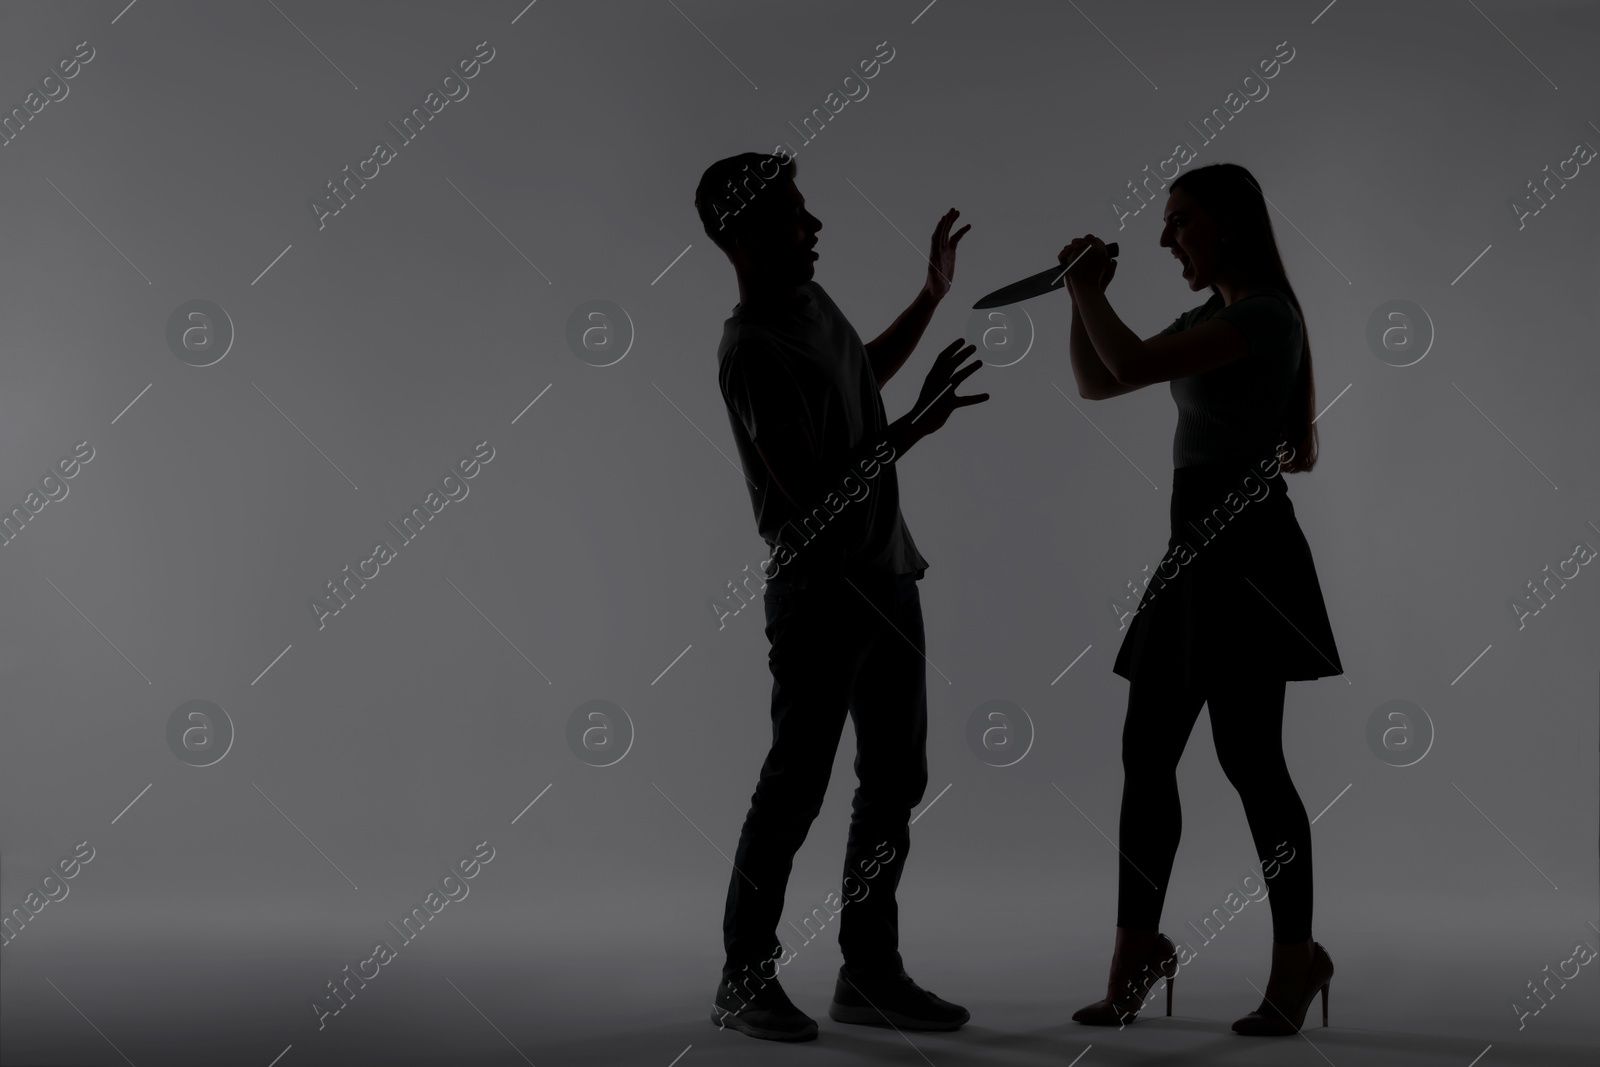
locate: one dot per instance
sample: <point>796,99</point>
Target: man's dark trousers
<point>839,643</point>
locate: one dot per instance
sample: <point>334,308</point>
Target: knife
<point>1034,285</point>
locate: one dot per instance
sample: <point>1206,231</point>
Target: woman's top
<point>1236,410</point>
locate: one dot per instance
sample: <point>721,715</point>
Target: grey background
<point>417,724</point>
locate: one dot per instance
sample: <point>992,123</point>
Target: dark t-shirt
<point>807,368</point>
<point>1235,410</point>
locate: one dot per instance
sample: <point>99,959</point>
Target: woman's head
<point>1218,228</point>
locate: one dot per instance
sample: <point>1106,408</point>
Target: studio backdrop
<point>374,537</point>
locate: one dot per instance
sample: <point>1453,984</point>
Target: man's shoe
<point>766,1013</point>
<point>891,999</point>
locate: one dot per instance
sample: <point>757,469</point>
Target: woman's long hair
<point>1231,196</point>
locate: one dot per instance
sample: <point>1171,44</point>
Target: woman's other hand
<point>1087,263</point>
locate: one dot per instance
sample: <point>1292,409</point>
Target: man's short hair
<point>729,185</point>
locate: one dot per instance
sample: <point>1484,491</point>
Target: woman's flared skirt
<point>1237,590</point>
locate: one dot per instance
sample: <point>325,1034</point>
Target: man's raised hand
<point>938,398</point>
<point>942,255</point>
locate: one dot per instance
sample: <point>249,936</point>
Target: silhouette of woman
<point>1234,609</point>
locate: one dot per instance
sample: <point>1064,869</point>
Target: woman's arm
<point>1095,380</point>
<point>1131,361</point>
<point>1135,363</point>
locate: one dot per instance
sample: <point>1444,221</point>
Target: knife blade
<point>1033,285</point>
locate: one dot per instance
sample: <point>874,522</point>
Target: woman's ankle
<point>1134,937</point>
<point>1133,948</point>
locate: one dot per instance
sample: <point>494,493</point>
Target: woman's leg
<point>1160,716</point>
<point>1247,725</point>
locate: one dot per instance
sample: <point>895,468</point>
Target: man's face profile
<point>777,239</point>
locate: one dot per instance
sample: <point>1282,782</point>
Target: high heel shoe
<point>1131,981</point>
<point>1287,1013</point>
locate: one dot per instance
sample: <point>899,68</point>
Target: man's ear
<point>746,240</point>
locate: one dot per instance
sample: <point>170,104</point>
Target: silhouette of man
<point>842,609</point>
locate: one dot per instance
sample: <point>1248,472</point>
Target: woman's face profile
<point>1192,236</point>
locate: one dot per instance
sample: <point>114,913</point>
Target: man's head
<point>752,210</point>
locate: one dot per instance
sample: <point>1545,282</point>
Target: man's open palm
<point>942,254</point>
<point>938,398</point>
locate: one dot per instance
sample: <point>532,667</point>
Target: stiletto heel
<point>1285,1016</point>
<point>1174,978</point>
<point>1131,982</point>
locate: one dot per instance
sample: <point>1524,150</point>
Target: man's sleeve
<point>759,389</point>
<point>1266,320</point>
<point>1179,323</point>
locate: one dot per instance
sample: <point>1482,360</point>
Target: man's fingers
<point>968,401</point>
<point>965,372</point>
<point>957,235</point>
<point>948,355</point>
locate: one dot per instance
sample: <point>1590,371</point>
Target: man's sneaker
<point>766,1012</point>
<point>891,999</point>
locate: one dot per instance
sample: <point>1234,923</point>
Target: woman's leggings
<point>1247,726</point>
